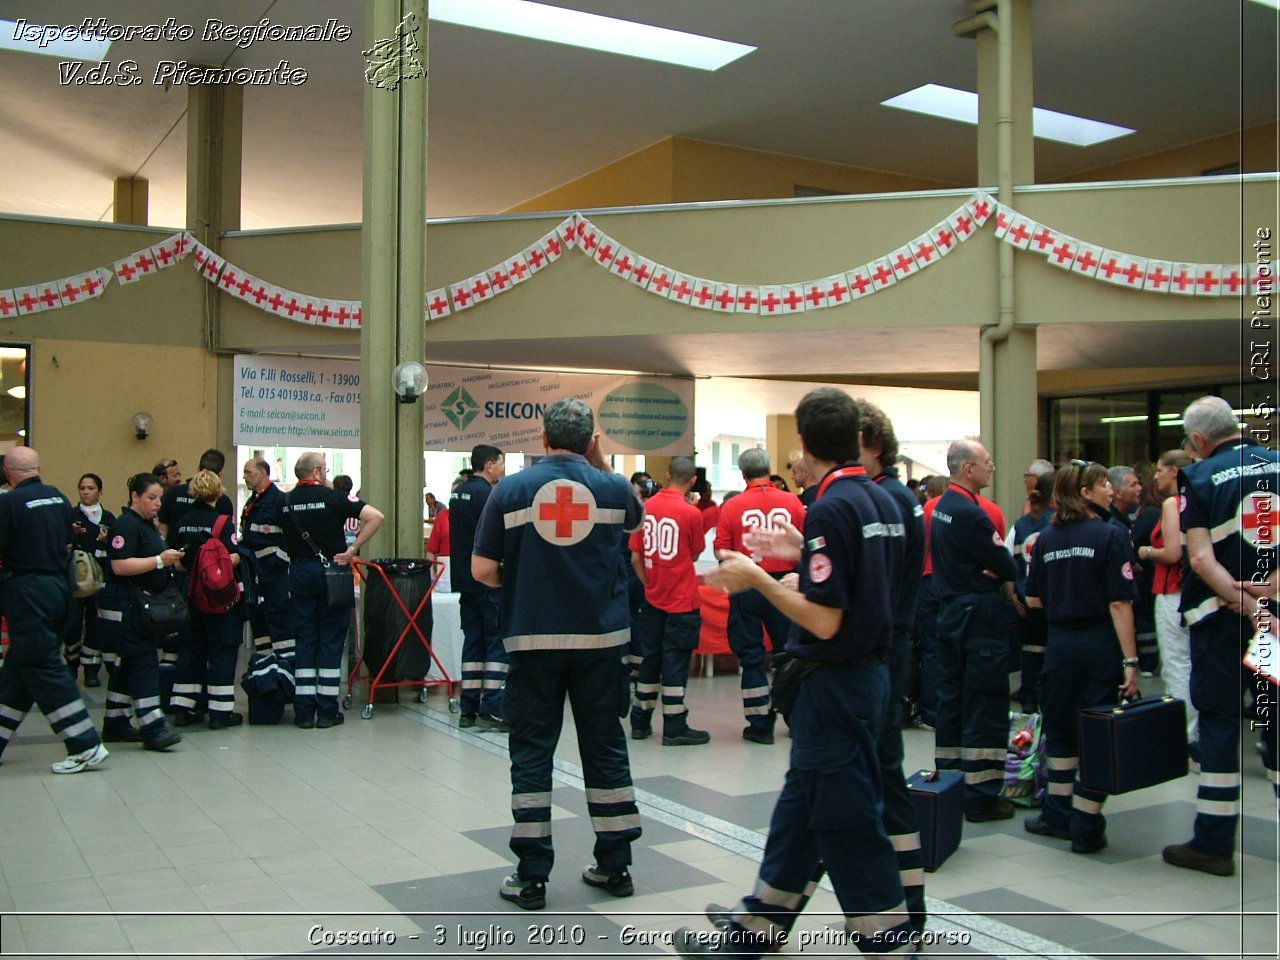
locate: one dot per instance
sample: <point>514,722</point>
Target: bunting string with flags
<point>577,232</point>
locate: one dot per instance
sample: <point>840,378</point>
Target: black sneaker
<point>689,737</point>
<point>1002,809</point>
<point>187,718</point>
<point>324,723</point>
<point>1042,828</point>
<point>1089,844</point>
<point>304,723</point>
<point>641,733</point>
<point>91,680</point>
<point>466,720</point>
<point>121,736</point>
<point>757,735</point>
<point>221,721</point>
<point>525,894</point>
<point>619,884</point>
<point>488,722</point>
<point>163,740</point>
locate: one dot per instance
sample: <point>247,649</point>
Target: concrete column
<point>215,125</point>
<point>782,441</point>
<point>395,164</point>
<point>1006,156</point>
<point>129,201</point>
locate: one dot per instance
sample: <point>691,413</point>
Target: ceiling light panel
<point>68,44</point>
<point>949,103</point>
<point>540,21</point>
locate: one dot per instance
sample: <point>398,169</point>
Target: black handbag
<point>161,613</point>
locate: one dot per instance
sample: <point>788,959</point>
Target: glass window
<point>15,410</point>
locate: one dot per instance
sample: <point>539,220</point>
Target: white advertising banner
<point>297,402</point>
<point>303,401</point>
<point>651,415</point>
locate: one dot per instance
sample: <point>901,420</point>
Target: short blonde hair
<point>205,486</point>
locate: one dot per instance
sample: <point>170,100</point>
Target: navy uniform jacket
<point>321,512</point>
<point>88,541</point>
<point>131,536</point>
<point>554,527</point>
<point>852,559</point>
<point>906,590</point>
<point>262,523</point>
<point>964,543</point>
<point>35,529</point>
<point>1232,493</point>
<point>1026,533</point>
<point>177,501</point>
<point>465,507</point>
<point>1078,569</point>
<point>197,527</point>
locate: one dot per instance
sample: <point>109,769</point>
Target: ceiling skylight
<point>539,21</point>
<point>962,105</point>
<point>77,48</point>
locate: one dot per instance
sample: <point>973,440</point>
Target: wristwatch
<point>159,561</point>
<point>1130,662</point>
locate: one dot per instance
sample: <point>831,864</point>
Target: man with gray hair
<point>970,563</point>
<point>760,506</point>
<point>548,538</point>
<point>1231,524</point>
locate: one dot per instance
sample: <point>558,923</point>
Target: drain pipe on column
<point>999,23</point>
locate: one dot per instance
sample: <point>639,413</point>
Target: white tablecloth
<point>446,634</point>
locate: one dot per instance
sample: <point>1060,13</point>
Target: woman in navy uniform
<point>137,558</point>
<point>206,676</point>
<point>89,525</point>
<point>1031,626</point>
<point>1081,574</point>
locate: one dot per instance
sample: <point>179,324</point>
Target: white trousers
<point>1175,655</point>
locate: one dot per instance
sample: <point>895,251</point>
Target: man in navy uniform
<point>484,663</point>
<point>262,537</point>
<point>1230,522</point>
<point>761,504</point>
<point>35,544</point>
<point>314,516</point>
<point>828,816</point>
<point>970,563</point>
<point>548,539</point>
<point>879,457</point>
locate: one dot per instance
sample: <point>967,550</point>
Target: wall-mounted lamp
<point>142,425</point>
<point>410,381</point>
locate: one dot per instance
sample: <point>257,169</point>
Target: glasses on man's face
<point>984,463</point>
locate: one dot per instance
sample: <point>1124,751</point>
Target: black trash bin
<point>384,621</point>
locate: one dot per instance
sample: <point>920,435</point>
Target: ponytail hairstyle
<point>140,483</point>
<point>1070,479</point>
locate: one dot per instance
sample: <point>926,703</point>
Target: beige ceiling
<point>510,118</point>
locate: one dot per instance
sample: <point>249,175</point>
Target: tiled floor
<point>253,842</point>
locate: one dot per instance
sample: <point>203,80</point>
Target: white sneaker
<point>81,761</point>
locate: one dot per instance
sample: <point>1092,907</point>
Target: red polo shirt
<point>669,540</point>
<point>760,505</point>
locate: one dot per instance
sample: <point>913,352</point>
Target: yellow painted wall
<point>680,170</point>
<point>1254,150</point>
<point>641,178</point>
<point>86,393</point>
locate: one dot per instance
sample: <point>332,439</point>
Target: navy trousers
<point>667,642</point>
<point>750,614</point>
<point>321,634</point>
<point>829,818</point>
<point>484,659</point>
<point>596,683</point>
<point>973,694</point>
<point>37,608</point>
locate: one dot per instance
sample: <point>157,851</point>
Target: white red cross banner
<point>576,232</point>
